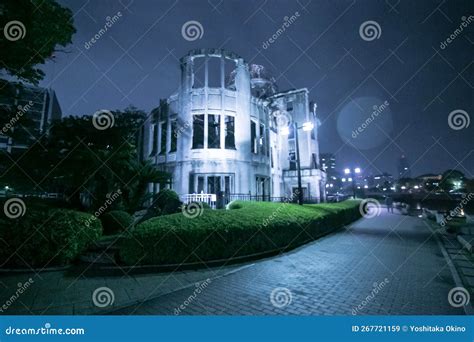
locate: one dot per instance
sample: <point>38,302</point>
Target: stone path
<point>387,265</point>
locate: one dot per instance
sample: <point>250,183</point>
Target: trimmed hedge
<point>46,238</point>
<point>254,227</point>
<point>116,221</point>
<point>167,201</point>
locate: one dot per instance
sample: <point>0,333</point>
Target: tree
<point>452,180</point>
<point>77,158</point>
<point>33,30</point>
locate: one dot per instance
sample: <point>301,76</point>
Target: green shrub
<point>167,202</point>
<point>115,221</point>
<point>46,238</point>
<point>219,234</point>
<point>202,205</point>
<point>235,205</point>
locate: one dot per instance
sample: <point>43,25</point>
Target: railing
<point>210,199</point>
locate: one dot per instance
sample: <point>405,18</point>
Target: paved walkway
<point>390,264</point>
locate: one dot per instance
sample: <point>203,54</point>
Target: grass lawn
<point>247,228</point>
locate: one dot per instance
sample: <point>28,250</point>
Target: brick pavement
<point>390,264</point>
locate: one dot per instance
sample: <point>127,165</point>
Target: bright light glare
<point>285,131</point>
<point>343,179</point>
<point>357,170</point>
<point>347,171</point>
<point>308,126</point>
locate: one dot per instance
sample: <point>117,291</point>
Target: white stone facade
<point>221,132</point>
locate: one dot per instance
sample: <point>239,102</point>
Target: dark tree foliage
<point>76,158</point>
<point>45,27</point>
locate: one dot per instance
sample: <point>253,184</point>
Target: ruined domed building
<point>226,132</point>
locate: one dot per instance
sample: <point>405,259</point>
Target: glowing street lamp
<point>352,173</point>
<point>285,131</point>
<point>307,126</point>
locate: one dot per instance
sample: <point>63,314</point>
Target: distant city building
<point>380,181</point>
<point>35,106</point>
<point>328,162</point>
<point>429,181</point>
<point>403,168</point>
<point>222,132</point>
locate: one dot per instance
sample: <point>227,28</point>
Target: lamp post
<point>307,126</point>
<point>352,173</point>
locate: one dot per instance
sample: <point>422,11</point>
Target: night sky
<point>136,63</point>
